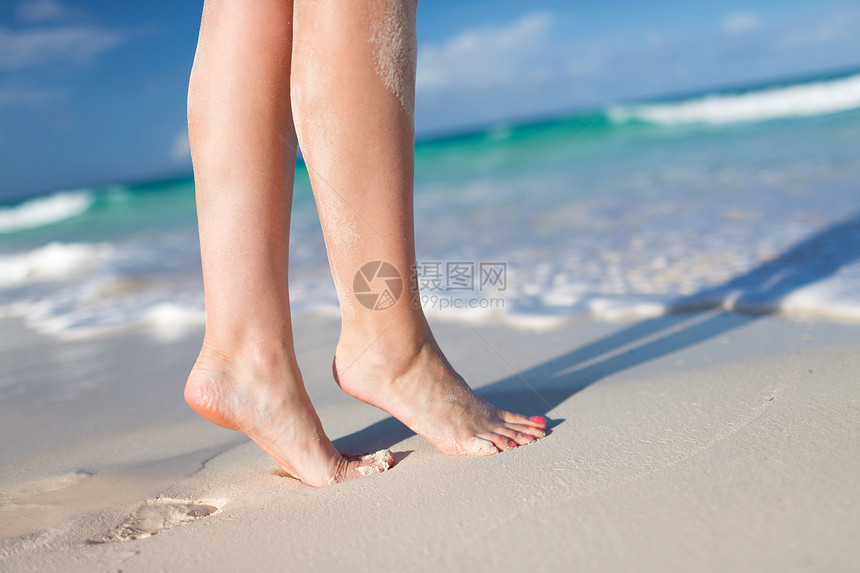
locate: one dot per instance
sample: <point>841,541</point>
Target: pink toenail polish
<point>512,443</point>
<point>529,436</point>
<point>538,419</point>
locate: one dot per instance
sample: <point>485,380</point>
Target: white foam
<point>619,310</point>
<point>44,210</point>
<point>465,314</point>
<point>170,321</point>
<point>800,100</point>
<point>51,262</point>
<point>833,299</point>
<point>536,322</point>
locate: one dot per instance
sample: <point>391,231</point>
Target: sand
<point>701,442</point>
<point>395,50</point>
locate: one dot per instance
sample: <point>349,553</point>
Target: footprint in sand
<point>155,516</point>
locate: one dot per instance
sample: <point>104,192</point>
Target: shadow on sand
<point>543,387</point>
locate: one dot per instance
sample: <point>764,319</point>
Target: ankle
<point>395,350</point>
<point>262,355</point>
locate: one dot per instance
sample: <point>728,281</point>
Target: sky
<point>94,91</point>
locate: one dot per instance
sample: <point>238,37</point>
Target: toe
<point>533,422</point>
<point>502,442</point>
<point>530,430</point>
<point>511,418</point>
<point>520,438</point>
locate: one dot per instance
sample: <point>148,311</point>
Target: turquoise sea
<point>743,199</point>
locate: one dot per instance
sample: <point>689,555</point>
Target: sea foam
<point>52,262</point>
<point>800,100</point>
<point>44,210</point>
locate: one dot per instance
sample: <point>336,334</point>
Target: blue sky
<point>94,91</point>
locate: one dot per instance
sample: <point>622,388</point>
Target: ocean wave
<point>51,262</point>
<point>799,100</point>
<point>45,210</point>
<point>622,228</point>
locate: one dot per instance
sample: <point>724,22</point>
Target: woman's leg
<point>353,94</point>
<point>243,145</point>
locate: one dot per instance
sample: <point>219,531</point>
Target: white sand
<point>693,443</point>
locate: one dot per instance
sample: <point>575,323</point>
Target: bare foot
<point>261,394</point>
<point>421,389</point>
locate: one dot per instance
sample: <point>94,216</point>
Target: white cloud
<point>181,149</point>
<point>37,11</point>
<point>44,46</point>
<point>740,22</point>
<point>486,57</point>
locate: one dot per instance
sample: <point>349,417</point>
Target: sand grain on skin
<point>395,50</point>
